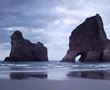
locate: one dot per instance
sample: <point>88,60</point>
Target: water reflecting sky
<point>54,70</point>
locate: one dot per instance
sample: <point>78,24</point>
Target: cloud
<point>48,21</point>
<point>4,49</point>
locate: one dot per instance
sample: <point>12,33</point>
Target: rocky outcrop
<point>90,41</point>
<point>106,52</point>
<point>24,50</point>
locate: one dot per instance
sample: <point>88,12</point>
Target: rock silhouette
<point>24,50</point>
<point>90,41</point>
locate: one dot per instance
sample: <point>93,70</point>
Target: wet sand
<point>44,84</point>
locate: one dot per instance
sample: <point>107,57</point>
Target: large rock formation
<point>90,41</point>
<point>24,50</point>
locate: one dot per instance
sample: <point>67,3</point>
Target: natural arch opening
<point>77,59</point>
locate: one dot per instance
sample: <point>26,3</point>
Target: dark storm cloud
<point>25,13</point>
<point>35,13</point>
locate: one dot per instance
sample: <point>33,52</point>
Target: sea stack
<point>90,41</point>
<point>23,50</point>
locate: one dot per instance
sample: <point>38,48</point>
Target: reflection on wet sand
<point>90,74</point>
<point>98,74</point>
<point>73,74</point>
<point>28,75</point>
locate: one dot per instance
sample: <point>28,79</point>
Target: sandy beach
<point>44,84</point>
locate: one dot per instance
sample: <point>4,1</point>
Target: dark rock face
<point>90,41</point>
<point>24,50</point>
<point>106,52</point>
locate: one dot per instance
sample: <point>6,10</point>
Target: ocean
<point>53,70</point>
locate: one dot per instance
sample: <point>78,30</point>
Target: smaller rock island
<point>23,50</point>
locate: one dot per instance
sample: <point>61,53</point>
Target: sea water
<point>54,70</point>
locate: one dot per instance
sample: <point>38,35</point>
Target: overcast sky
<point>47,21</point>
